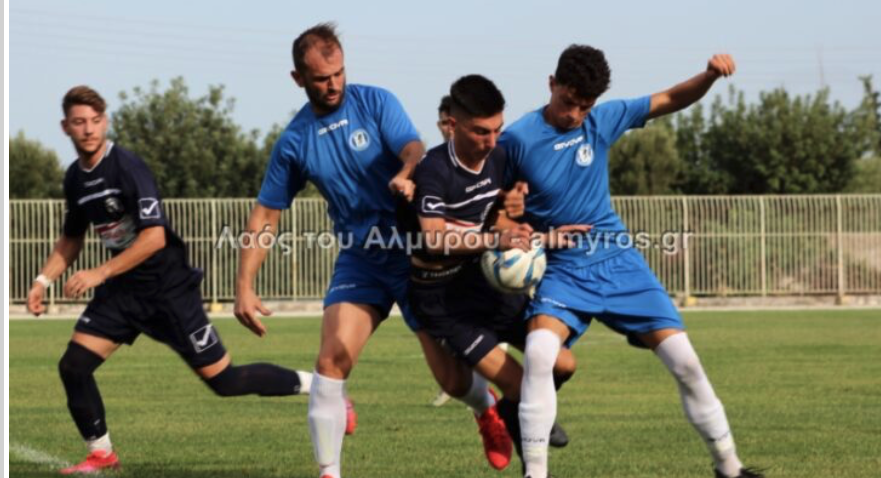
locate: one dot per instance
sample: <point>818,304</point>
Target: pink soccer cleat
<point>351,417</point>
<point>94,463</point>
<point>497,443</point>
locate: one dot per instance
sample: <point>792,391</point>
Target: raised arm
<point>688,92</point>
<point>263,220</point>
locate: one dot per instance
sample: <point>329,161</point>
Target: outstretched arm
<point>686,93</point>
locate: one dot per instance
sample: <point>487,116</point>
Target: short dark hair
<point>475,96</point>
<point>323,32</point>
<point>445,105</point>
<point>83,95</point>
<point>584,69</point>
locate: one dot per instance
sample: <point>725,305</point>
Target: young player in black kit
<point>146,287</point>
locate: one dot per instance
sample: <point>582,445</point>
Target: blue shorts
<point>621,291</point>
<point>377,278</point>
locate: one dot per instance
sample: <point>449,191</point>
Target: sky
<point>417,49</point>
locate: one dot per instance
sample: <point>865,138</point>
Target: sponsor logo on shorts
<point>342,287</point>
<point>84,319</point>
<point>559,304</point>
<point>474,344</point>
<point>204,338</point>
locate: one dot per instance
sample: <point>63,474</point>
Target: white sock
<point>305,382</point>
<point>538,400</point>
<point>327,422</point>
<point>100,444</point>
<point>478,396</point>
<point>702,408</point>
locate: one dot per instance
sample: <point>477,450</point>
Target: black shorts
<point>468,315</point>
<point>168,310</point>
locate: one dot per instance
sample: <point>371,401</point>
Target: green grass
<point>802,391</point>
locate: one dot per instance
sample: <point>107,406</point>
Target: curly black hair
<point>584,69</point>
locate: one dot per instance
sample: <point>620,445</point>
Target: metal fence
<point>698,246</point>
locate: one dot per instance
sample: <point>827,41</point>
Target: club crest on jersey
<point>584,155</point>
<point>113,206</point>
<point>359,140</point>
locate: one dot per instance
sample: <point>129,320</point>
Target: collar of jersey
<point>458,164</point>
<point>106,153</point>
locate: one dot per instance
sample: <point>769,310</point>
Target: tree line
<point>781,144</point>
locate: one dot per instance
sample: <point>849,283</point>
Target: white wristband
<point>42,279</point>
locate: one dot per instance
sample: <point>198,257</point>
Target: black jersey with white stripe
<point>119,197</point>
<point>464,198</point>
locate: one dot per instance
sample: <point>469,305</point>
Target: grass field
<point>802,390</point>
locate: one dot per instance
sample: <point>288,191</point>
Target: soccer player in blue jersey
<point>147,286</point>
<point>359,148</point>
<point>560,154</point>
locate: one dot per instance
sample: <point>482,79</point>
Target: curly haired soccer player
<point>559,153</point>
<point>146,287</point>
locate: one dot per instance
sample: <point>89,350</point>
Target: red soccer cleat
<point>351,417</point>
<point>496,442</point>
<point>95,463</point>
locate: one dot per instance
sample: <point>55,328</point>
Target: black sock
<point>263,379</point>
<point>560,380</point>
<point>77,367</point>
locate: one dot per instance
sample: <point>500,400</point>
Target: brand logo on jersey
<point>93,182</point>
<point>149,208</point>
<point>359,140</point>
<point>333,127</point>
<point>566,144</point>
<point>584,155</point>
<point>204,338</point>
<point>113,206</point>
<point>432,203</point>
<point>478,185</point>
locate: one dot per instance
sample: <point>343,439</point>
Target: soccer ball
<point>514,271</point>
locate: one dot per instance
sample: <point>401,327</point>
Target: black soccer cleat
<point>558,438</point>
<point>744,473</point>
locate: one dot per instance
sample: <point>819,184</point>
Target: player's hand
<point>82,281</point>
<point>246,309</point>
<point>516,238</point>
<point>402,186</point>
<point>721,65</point>
<point>514,200</point>
<point>563,237</point>
<point>35,299</point>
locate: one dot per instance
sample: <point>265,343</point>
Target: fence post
<point>53,291</point>
<point>215,300</point>
<point>686,257</point>
<point>840,244</point>
<point>764,249</point>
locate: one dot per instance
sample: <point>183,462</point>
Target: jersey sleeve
<point>394,125</point>
<point>284,177</point>
<point>142,196</point>
<point>429,199</point>
<point>615,117</point>
<point>514,152</point>
<point>75,221</point>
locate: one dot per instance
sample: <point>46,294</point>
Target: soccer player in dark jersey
<point>146,287</point>
<point>358,146</point>
<point>560,151</point>
<point>457,187</point>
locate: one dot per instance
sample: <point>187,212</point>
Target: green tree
<point>193,146</point>
<point>867,178</point>
<point>645,162</point>
<point>783,144</point>
<point>34,170</point>
<point>867,120</point>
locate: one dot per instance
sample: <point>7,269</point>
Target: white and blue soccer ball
<point>514,271</point>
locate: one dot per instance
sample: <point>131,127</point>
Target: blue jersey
<point>568,173</point>
<point>350,155</point>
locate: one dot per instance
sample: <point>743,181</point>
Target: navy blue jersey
<point>119,197</point>
<point>464,198</point>
<point>350,155</point>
